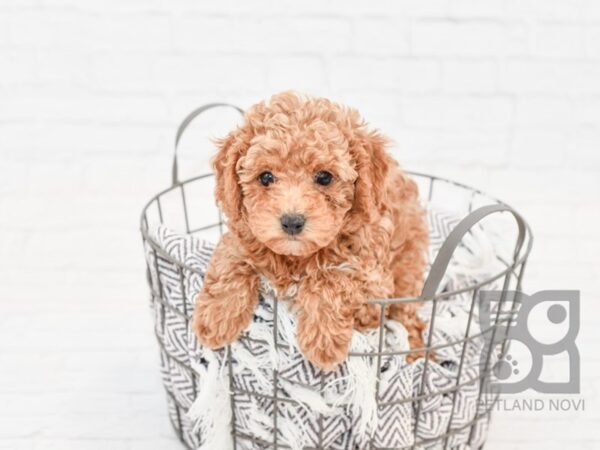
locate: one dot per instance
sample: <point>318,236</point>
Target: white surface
<point>504,95</point>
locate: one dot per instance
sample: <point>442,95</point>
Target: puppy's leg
<point>408,267</point>
<point>226,303</point>
<point>379,284</point>
<point>326,318</point>
<point>408,283</point>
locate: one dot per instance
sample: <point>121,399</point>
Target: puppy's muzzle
<point>292,223</point>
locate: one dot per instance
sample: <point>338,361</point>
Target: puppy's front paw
<point>217,325</point>
<point>213,334</point>
<point>367,316</point>
<point>325,349</point>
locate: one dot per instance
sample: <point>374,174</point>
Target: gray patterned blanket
<point>351,408</point>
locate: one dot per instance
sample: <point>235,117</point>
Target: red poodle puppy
<point>316,205</point>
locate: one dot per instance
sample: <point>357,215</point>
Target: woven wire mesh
<point>203,219</point>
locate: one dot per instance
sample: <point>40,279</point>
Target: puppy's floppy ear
<point>228,191</point>
<point>372,165</point>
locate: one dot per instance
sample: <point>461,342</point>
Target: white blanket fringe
<point>211,410</point>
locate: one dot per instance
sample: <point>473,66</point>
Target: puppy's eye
<point>266,178</point>
<point>323,178</point>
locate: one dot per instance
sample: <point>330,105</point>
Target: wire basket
<point>189,206</point>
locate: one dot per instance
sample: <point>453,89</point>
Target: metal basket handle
<point>185,123</point>
<point>440,264</point>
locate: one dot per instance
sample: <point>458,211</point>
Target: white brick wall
<point>502,94</point>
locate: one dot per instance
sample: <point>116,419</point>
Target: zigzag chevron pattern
<point>440,224</point>
<point>394,426</point>
<point>399,381</point>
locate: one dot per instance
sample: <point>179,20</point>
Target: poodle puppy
<point>316,205</point>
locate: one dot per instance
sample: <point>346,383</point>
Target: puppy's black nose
<point>292,223</point>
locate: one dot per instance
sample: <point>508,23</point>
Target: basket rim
<point>521,260</point>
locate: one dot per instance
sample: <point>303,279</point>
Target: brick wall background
<point>501,94</point>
